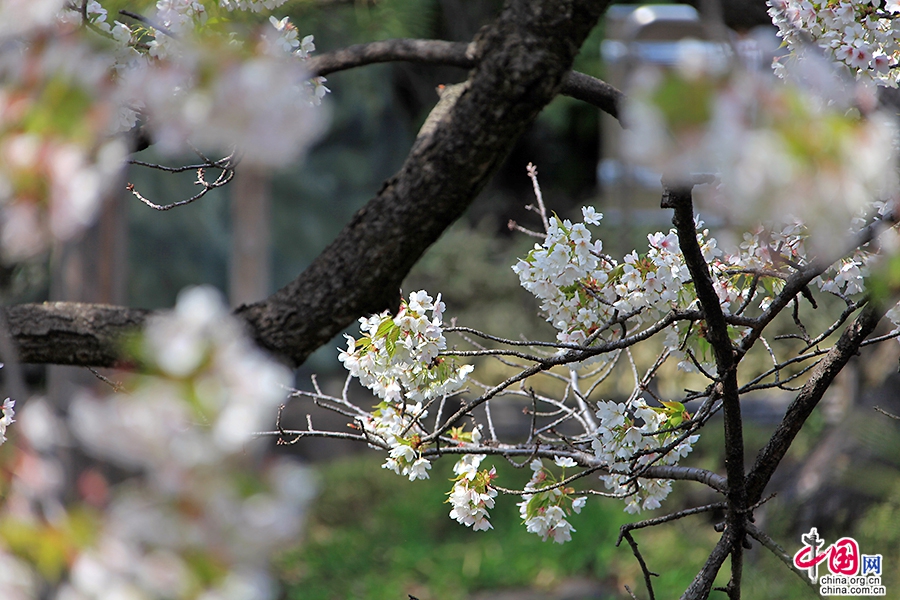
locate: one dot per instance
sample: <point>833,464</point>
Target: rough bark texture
<point>72,333</point>
<point>521,62</point>
<point>522,59</point>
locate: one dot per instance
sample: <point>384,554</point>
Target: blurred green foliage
<point>375,535</point>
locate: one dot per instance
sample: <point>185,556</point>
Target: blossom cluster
<point>858,34</point>
<point>400,428</point>
<point>398,359</point>
<point>472,495</point>
<point>544,512</point>
<point>581,289</point>
<point>628,437</point>
<point>398,356</point>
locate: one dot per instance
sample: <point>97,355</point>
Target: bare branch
<point>668,518</point>
<point>887,414</point>
<point>456,54</point>
<point>225,165</point>
<point>702,584</point>
<point>637,554</point>
<point>808,398</point>
<point>439,52</point>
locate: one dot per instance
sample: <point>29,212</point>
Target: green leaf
<point>390,341</point>
<point>385,327</point>
<point>673,406</point>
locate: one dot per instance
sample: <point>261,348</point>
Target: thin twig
<point>541,209</point>
<point>115,385</point>
<point>887,414</point>
<point>646,571</point>
<point>513,226</point>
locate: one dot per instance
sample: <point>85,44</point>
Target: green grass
<point>374,535</point>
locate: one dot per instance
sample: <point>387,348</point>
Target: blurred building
<point>659,35</point>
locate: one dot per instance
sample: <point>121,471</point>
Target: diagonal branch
<point>522,59</point>
<point>701,586</point>
<point>521,62</point>
<point>806,400</point>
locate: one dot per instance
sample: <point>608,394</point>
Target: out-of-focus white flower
<point>260,105</point>
<point>186,429</point>
<point>17,580</point>
<point>53,178</point>
<point>251,5</point>
<point>795,148</point>
<point>6,419</point>
<point>20,16</point>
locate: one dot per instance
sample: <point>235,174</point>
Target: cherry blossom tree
<point>82,89</point>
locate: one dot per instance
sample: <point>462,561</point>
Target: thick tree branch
<point>522,59</point>
<point>437,52</point>
<point>72,333</point>
<point>456,54</point>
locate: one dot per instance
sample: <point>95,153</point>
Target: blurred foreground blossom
<point>192,511</point>
<point>7,413</point>
<point>259,104</point>
<point>72,92</point>
<point>807,148</point>
<point>56,159</point>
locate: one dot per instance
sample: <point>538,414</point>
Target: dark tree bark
<point>521,62</point>
<point>72,333</point>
